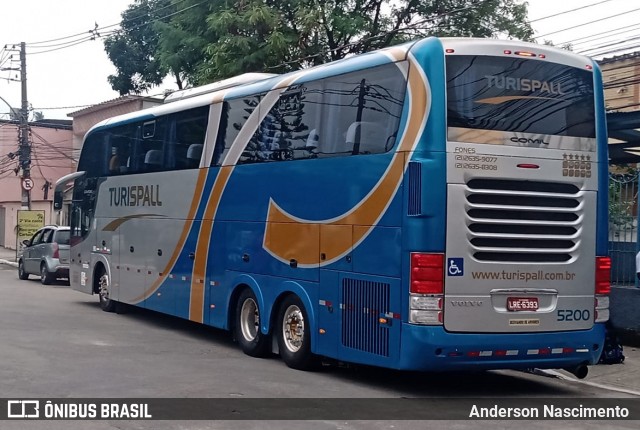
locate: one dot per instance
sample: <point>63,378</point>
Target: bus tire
<point>104,286</point>
<point>247,326</point>
<point>294,335</point>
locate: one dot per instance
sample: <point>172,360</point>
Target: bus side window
<point>120,153</point>
<point>117,150</point>
<point>218,148</point>
<point>135,162</point>
<point>194,153</point>
<point>153,160</point>
<point>150,141</point>
<point>366,137</point>
<point>187,133</point>
<point>235,114</point>
<point>361,111</point>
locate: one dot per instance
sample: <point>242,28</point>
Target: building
<point>51,144</point>
<point>620,79</point>
<point>55,149</point>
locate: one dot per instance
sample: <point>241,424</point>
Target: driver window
<point>46,237</point>
<point>36,238</point>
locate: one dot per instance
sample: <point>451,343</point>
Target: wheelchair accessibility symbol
<point>455,266</point>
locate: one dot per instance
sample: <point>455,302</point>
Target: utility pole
<point>25,146</point>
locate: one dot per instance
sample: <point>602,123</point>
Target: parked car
<point>46,254</point>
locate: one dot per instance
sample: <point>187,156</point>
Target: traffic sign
<point>27,183</point>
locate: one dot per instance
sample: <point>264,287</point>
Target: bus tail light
<point>603,275</point>
<point>427,273</point>
<point>426,288</point>
<point>603,288</point>
<point>56,250</point>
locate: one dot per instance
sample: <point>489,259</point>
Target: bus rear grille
<point>523,221</point>
<point>415,189</point>
<point>362,304</point>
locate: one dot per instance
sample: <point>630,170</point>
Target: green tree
<point>278,36</point>
<point>207,41</point>
<point>133,49</point>
<point>183,39</point>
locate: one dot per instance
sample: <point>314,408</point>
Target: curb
<point>10,263</point>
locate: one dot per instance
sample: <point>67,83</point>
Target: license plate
<point>522,304</point>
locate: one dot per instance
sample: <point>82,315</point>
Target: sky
<point>66,80</point>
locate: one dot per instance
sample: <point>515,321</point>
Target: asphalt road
<point>57,343</point>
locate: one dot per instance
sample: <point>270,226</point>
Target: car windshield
<point>62,237</point>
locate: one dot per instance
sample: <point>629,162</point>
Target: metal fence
<point>623,224</point>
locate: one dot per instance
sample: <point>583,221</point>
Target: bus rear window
<point>519,95</point>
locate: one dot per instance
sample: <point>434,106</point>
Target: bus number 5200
<point>574,315</point>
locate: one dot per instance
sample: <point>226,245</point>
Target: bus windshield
<point>519,95</point>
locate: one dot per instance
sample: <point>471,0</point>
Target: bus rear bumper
<point>428,348</point>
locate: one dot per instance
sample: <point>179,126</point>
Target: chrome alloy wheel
<point>293,328</point>
<point>249,319</point>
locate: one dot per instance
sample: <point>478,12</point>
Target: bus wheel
<point>247,326</point>
<point>106,303</point>
<point>294,337</point>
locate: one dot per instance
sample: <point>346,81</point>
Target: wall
<point>51,158</point>
<point>11,219</point>
<point>619,75</point>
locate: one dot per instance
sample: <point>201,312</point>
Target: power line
<point>63,47</point>
<point>101,28</point>
<point>44,141</point>
<point>608,32</point>
<point>595,48</point>
<point>62,107</point>
<point>587,23</point>
<point>95,33</point>
<point>90,38</point>
<point>567,11</point>
<point>613,51</point>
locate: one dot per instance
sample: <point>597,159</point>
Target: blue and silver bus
<point>437,205</point>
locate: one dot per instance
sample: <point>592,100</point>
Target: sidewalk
<point>8,256</point>
<point>624,377</point>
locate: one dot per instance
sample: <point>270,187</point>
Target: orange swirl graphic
<point>288,237</point>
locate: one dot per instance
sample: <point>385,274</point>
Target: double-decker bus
<point>437,205</point>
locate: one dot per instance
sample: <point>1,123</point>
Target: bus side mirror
<point>57,200</point>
